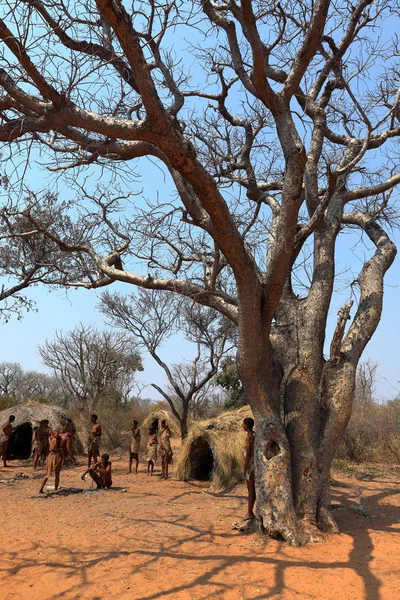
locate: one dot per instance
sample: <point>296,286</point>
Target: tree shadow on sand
<point>216,567</point>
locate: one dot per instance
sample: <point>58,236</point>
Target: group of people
<point>41,442</point>
<point>55,449</point>
<point>156,445</point>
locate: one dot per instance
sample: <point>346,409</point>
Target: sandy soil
<point>174,540</point>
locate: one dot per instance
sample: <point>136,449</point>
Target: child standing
<point>151,451</point>
<point>135,446</point>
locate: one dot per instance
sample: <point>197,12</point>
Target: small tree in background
<point>89,362</point>
<point>153,317</point>
<point>228,378</point>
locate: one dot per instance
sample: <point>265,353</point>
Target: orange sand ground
<point>174,540</point>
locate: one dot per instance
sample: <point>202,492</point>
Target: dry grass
<point>34,412</point>
<point>214,450</point>
<point>159,415</point>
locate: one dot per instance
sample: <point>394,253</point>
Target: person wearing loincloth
<point>54,461</point>
<point>165,448</point>
<point>67,440</point>
<point>94,441</point>
<point>6,431</point>
<point>135,446</point>
<point>41,443</point>
<point>100,472</point>
<point>151,450</point>
<point>248,426</point>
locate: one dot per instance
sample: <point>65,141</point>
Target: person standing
<point>248,426</point>
<point>67,435</point>
<point>135,446</point>
<point>54,461</point>
<point>94,440</point>
<point>5,436</point>
<point>151,451</point>
<point>165,448</point>
<point>41,443</point>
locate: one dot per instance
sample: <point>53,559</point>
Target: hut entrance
<point>202,459</point>
<point>20,447</point>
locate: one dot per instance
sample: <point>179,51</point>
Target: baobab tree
<point>277,126</point>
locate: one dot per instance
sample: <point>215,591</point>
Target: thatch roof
<point>230,420</point>
<point>159,415</point>
<point>214,450</point>
<point>33,413</point>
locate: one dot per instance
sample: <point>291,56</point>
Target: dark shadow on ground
<point>158,552</point>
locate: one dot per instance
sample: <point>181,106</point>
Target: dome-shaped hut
<point>214,450</point>
<point>28,416</point>
<point>153,420</point>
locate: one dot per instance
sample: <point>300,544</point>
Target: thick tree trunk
<point>337,394</point>
<point>274,507</point>
<point>294,454</point>
<point>301,419</point>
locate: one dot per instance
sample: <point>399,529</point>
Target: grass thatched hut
<point>28,416</point>
<point>154,420</point>
<point>214,450</point>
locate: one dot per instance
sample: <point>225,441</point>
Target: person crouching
<point>100,472</point>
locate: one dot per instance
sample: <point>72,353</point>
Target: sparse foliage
<point>228,378</point>
<point>373,432</point>
<point>153,317</point>
<point>89,363</point>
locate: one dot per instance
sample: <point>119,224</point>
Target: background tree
<point>273,155</point>
<point>42,387</point>
<point>11,375</point>
<point>373,432</point>
<point>90,362</point>
<point>153,317</point>
<point>228,378</point>
<point>18,386</point>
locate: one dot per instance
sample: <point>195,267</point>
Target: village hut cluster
<point>213,450</point>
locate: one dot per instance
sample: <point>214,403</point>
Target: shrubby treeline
<point>373,432</point>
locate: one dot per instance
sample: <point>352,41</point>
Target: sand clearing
<point>174,540</point>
